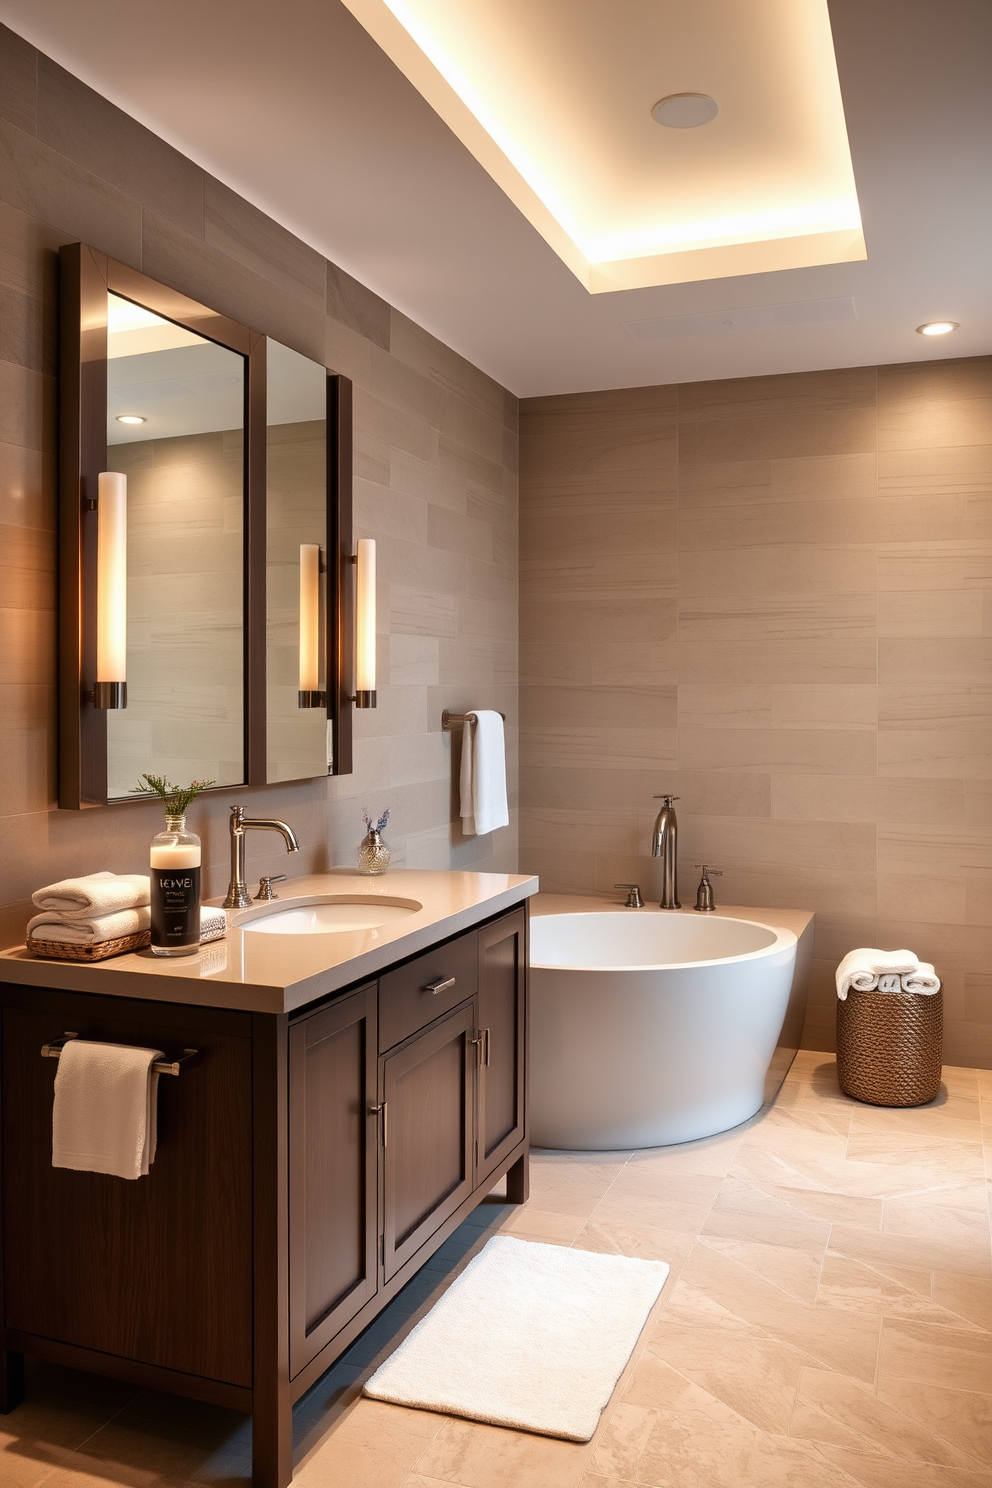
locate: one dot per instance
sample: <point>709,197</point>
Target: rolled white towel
<point>889,982</point>
<point>862,968</point>
<point>924,979</point>
<point>93,931</point>
<point>95,894</point>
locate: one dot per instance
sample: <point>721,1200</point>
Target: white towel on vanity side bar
<point>105,1114</point>
<point>95,894</point>
<point>482,779</point>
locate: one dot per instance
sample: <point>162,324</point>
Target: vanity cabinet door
<point>428,1092</point>
<point>502,1025</point>
<point>333,1150</point>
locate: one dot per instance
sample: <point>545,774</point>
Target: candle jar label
<point>175,906</point>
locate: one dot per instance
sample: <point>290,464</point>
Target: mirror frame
<point>86,277</point>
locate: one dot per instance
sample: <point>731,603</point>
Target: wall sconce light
<point>365,624</point>
<point>311,695</point>
<point>110,690</point>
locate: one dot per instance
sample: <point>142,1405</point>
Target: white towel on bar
<point>95,894</point>
<point>104,1118</point>
<point>924,979</point>
<point>78,930</point>
<point>482,777</point>
<point>862,968</point>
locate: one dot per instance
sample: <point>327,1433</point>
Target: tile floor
<point>828,1323</point>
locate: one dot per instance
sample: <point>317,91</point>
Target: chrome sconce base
<point>364,699</point>
<point>311,699</point>
<point>109,695</point>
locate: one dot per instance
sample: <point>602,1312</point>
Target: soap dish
<point>66,950</point>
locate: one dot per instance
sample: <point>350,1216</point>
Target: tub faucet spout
<point>664,845</point>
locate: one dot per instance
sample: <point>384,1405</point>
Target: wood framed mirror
<point>163,421</point>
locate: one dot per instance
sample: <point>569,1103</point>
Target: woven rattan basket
<point>890,1046</point>
<point>65,950</point>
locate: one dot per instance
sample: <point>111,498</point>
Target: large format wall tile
<point>821,546</point>
<point>436,485</point>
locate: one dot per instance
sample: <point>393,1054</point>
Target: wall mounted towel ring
<point>161,1066</point>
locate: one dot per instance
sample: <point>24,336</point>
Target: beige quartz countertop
<point>278,973</point>
<point>795,920</point>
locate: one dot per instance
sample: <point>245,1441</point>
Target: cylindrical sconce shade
<point>311,694</point>
<point>111,591</point>
<point>365,625</point>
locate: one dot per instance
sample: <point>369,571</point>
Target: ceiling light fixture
<point>685,110</point>
<point>131,418</point>
<point>937,327</point>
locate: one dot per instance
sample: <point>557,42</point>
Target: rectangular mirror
<point>299,639</point>
<point>171,662</point>
<point>175,430</point>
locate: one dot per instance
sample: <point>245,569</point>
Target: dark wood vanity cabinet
<point>308,1164</point>
<point>405,1099</point>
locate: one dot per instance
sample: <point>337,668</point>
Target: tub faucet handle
<point>634,900</point>
<point>704,894</point>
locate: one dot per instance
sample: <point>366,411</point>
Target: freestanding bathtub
<point>650,1027</point>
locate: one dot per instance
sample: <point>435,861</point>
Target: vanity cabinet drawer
<point>413,995</point>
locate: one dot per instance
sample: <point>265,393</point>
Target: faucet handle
<point>265,889</point>
<point>667,799</point>
<point>708,871</point>
<point>634,900</point>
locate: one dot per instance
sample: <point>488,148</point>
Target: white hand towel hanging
<point>95,894</point>
<point>483,774</point>
<point>104,1118</point>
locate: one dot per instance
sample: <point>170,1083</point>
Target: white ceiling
<point>294,106</point>
<point>555,99</point>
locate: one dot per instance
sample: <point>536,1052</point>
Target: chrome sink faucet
<point>664,845</point>
<point>238,896</point>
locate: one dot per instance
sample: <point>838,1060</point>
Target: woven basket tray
<point>890,1046</point>
<point>64,950</point>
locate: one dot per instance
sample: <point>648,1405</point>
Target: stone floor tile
<point>963,1418</point>
<point>790,1268</point>
<point>478,1456</point>
<point>836,1410</point>
<point>856,1287</point>
<point>968,1297</point>
<point>871,1471</point>
<point>924,1352</point>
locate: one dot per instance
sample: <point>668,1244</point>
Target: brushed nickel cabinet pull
<point>477,1042</point>
<point>377,1110</point>
<point>440,984</point>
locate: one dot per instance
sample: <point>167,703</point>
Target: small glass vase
<point>373,854</point>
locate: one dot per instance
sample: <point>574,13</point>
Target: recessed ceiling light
<point>685,110</point>
<point>131,418</point>
<point>937,328</point>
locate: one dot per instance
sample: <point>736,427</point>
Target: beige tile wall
<point>772,596</point>
<point>436,485</point>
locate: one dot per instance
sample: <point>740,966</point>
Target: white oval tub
<point>649,1028</point>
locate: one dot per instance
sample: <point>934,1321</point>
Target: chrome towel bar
<point>455,720</point>
<point>161,1066</point>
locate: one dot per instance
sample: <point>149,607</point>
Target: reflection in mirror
<point>175,429</point>
<point>297,733</point>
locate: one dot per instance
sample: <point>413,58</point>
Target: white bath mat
<point>530,1336</point>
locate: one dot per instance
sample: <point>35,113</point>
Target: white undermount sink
<point>327,915</point>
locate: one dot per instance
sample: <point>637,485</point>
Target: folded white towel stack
<point>483,774</point>
<point>869,969</point>
<point>79,930</point>
<point>104,1119</point>
<point>95,894</point>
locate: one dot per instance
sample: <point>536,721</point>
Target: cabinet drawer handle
<point>439,984</point>
<point>375,1111</point>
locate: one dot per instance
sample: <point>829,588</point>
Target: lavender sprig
<point>376,826</point>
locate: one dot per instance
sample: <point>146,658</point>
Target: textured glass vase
<point>373,854</point>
